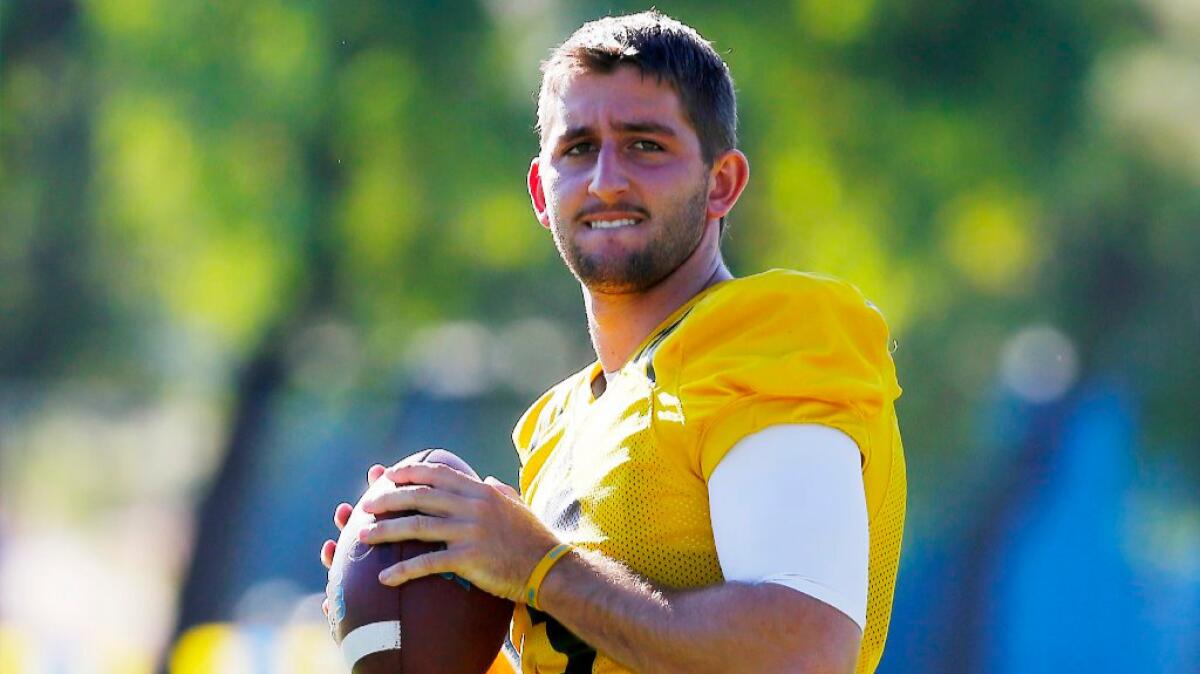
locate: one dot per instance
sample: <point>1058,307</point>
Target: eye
<point>578,149</point>
<point>647,146</point>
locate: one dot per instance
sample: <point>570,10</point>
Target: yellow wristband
<point>539,573</point>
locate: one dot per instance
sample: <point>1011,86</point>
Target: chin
<point>611,287</point>
<point>630,275</point>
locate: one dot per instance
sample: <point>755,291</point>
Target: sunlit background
<point>249,248</point>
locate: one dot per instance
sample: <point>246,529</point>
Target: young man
<point>729,474</point>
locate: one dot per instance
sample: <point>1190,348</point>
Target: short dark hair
<point>659,46</point>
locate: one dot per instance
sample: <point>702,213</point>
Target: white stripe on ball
<point>368,639</point>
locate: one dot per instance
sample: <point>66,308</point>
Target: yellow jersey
<point>626,474</point>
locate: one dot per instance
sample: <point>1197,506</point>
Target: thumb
<point>374,473</point>
<point>502,488</point>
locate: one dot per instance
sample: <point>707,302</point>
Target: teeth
<point>612,224</point>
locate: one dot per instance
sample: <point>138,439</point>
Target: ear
<point>728,177</point>
<point>536,194</point>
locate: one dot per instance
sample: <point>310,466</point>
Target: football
<point>438,624</point>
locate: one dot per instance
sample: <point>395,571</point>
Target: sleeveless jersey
<point>626,474</point>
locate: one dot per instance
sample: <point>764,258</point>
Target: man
<point>729,472</point>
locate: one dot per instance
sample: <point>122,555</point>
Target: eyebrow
<point>652,128</point>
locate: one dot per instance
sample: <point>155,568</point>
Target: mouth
<point>612,224</point>
<point>612,220</point>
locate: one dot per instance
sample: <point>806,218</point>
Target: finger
<point>440,561</point>
<point>426,499</point>
<point>435,475</point>
<point>327,551</point>
<point>502,488</point>
<point>341,515</point>
<point>325,607</point>
<point>413,528</point>
<point>374,472</point>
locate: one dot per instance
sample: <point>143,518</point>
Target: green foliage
<point>208,169</point>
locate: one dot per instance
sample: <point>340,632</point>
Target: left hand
<point>341,515</point>
<point>492,538</point>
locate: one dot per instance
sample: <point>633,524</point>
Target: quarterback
<point>723,489</point>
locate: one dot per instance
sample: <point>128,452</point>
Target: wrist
<point>557,582</point>
<point>531,594</point>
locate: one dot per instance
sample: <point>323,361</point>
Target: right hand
<point>341,514</point>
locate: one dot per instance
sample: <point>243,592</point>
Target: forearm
<point>722,628</point>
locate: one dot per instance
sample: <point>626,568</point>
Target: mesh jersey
<point>626,474</point>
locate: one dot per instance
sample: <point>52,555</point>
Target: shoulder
<point>544,411</point>
<point>779,312</point>
<point>781,347</point>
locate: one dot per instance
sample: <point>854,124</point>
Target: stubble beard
<point>678,234</point>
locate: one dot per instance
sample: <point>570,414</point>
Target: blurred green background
<point>249,248</point>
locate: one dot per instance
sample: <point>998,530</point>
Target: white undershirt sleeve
<point>788,507</point>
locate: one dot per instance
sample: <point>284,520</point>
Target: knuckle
<point>416,565</point>
<point>483,507</point>
<point>420,523</point>
<point>371,532</point>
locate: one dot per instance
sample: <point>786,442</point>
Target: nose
<point>608,176</point>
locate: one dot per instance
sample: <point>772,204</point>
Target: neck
<point>618,323</point>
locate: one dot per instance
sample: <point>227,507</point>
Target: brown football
<point>439,624</point>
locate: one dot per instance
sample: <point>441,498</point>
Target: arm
<point>728,627</point>
<point>815,489</point>
<point>494,541</point>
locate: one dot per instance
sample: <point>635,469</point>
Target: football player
<point>723,490</point>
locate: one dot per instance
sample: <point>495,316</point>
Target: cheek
<point>664,178</point>
<point>559,188</point>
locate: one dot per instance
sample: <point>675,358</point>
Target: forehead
<point>602,100</point>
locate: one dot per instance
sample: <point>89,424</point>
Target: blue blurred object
<point>1063,592</point>
<point>1071,579</point>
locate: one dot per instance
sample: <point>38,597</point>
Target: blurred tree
<point>54,309</point>
<point>186,186</point>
